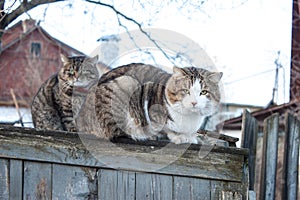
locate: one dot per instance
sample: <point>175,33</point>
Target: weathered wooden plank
<point>119,185</point>
<point>126,185</point>
<point>16,179</point>
<point>291,157</point>
<point>191,188</point>
<point>258,167</point>
<point>228,191</point>
<point>37,180</point>
<point>158,157</point>
<point>269,160</point>
<point>71,182</point>
<point>229,139</point>
<point>4,179</point>
<point>154,186</point>
<point>107,184</point>
<point>171,159</point>
<point>251,195</point>
<point>249,140</point>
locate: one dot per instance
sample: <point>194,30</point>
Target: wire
<point>250,76</point>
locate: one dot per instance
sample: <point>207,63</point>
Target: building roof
<point>260,115</point>
<point>18,62</point>
<point>23,28</point>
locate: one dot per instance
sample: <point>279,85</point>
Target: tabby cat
<point>62,95</point>
<point>142,101</point>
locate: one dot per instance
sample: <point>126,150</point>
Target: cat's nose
<point>194,103</point>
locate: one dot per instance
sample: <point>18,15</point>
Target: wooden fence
<point>59,165</point>
<point>273,158</point>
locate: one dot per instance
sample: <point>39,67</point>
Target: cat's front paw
<point>181,139</point>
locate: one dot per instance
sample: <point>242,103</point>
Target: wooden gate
<point>59,165</point>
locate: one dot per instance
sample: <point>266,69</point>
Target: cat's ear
<point>94,59</point>
<point>215,77</point>
<point>177,71</point>
<point>64,58</point>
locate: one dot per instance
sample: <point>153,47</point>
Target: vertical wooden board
<point>107,184</point>
<point>72,182</point>
<point>126,185</point>
<point>258,161</point>
<point>37,180</point>
<point>269,158</point>
<point>291,157</point>
<point>249,140</point>
<point>114,184</point>
<point>154,186</point>
<point>4,179</point>
<point>280,165</point>
<point>16,179</point>
<point>222,190</point>
<point>191,188</point>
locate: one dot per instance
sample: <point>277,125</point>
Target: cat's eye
<point>72,72</point>
<point>185,91</point>
<point>203,92</point>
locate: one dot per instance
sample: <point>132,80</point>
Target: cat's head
<point>193,89</point>
<point>79,71</point>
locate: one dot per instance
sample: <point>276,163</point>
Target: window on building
<point>36,49</point>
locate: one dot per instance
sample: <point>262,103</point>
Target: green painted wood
<point>72,182</point>
<point>113,184</point>
<point>4,179</point>
<point>154,186</point>
<point>37,180</point>
<point>16,179</point>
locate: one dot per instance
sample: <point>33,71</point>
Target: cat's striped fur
<point>62,95</point>
<point>141,101</point>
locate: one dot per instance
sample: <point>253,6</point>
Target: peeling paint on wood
<point>70,182</point>
<point>37,180</point>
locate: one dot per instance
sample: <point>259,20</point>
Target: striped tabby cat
<point>62,95</point>
<point>142,101</point>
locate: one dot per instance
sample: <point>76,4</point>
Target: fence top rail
<point>214,162</point>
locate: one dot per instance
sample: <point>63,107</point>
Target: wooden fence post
<point>269,158</point>
<point>249,140</point>
<point>291,157</point>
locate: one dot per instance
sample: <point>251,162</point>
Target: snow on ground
<point>10,114</point>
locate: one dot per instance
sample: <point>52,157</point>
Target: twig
<point>17,106</point>
<point>136,23</point>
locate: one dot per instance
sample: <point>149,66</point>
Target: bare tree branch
<point>7,17</point>
<point>4,12</point>
<point>136,23</point>
<point>24,7</point>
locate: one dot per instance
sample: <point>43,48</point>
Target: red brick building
<point>28,56</point>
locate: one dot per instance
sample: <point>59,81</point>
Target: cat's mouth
<point>81,89</point>
<point>195,109</point>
